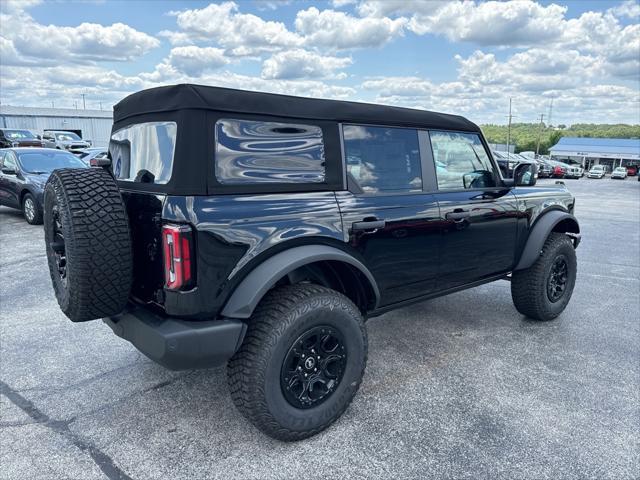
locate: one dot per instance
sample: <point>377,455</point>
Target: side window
<point>9,161</point>
<point>461,161</point>
<point>257,152</point>
<point>143,152</point>
<point>383,159</point>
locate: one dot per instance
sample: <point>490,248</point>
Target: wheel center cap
<point>309,363</point>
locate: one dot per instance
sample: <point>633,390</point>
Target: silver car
<point>64,140</point>
<point>619,172</point>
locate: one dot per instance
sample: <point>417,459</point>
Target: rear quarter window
<point>259,152</point>
<point>144,152</point>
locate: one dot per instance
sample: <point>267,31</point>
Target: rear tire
<point>87,242</point>
<point>267,376</point>
<point>542,291</point>
<point>31,210</point>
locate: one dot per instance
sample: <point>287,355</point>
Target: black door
<point>9,180</point>
<point>479,215</point>
<point>390,219</point>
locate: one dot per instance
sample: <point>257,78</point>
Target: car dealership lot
<point>457,387</point>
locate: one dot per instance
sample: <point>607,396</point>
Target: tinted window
<point>144,152</point>
<point>19,134</point>
<point>9,161</point>
<point>461,161</point>
<point>250,152</point>
<point>47,162</point>
<point>383,159</point>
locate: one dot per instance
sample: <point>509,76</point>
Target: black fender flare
<point>262,278</point>
<point>541,230</point>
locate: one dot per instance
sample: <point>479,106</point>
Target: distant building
<point>613,152</point>
<point>94,125</point>
<point>502,147</point>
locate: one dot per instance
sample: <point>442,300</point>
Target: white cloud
<point>303,64</point>
<point>241,34</point>
<point>194,60</point>
<point>512,23</point>
<point>337,30</point>
<point>342,3</point>
<point>629,8</point>
<point>384,8</point>
<point>86,42</point>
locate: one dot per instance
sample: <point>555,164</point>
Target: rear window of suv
<point>258,152</point>
<point>144,152</point>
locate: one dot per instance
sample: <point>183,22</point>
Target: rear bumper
<point>179,344</point>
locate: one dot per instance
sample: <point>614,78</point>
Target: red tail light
<point>177,244</point>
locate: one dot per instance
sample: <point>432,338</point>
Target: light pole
<point>539,134</point>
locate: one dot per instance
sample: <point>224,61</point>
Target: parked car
<point>574,171</point>
<point>23,174</point>
<point>64,140</point>
<point>620,173</point>
<point>597,171</point>
<point>10,137</point>
<point>263,230</point>
<point>632,170</point>
<point>545,170</point>
<point>89,155</point>
<point>559,169</point>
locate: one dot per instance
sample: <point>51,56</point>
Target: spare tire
<point>88,243</point>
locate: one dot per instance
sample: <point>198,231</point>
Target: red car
<point>558,171</point>
<point>632,170</point>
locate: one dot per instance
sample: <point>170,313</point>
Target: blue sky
<point>459,57</point>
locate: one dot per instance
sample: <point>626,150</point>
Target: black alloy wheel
<point>557,282</point>
<point>57,245</point>
<point>313,367</point>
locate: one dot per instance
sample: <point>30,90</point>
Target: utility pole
<point>84,105</point>
<point>550,111</point>
<point>539,133</point>
<point>509,130</point>
<point>101,105</point>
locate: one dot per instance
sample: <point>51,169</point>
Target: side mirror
<point>525,175</point>
<point>9,171</point>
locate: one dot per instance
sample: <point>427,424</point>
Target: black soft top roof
<point>188,96</point>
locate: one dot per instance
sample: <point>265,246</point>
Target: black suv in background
<point>16,137</point>
<point>264,229</point>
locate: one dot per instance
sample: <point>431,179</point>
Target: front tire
<point>542,291</point>
<point>301,362</point>
<point>31,210</point>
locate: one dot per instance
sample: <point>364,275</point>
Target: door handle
<point>458,216</point>
<point>368,225</point>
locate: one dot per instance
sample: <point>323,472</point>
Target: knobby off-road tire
<point>533,289</point>
<point>31,210</point>
<point>279,326</point>
<point>87,242</point>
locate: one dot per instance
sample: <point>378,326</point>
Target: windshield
<point>47,162</point>
<point>597,167</point>
<point>19,134</point>
<point>66,136</point>
<point>621,169</point>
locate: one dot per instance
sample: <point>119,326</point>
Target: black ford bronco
<point>262,230</point>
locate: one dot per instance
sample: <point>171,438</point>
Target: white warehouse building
<point>93,125</point>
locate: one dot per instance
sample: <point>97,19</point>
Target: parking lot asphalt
<point>457,387</point>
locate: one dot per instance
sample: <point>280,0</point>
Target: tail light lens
<point>177,244</point>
